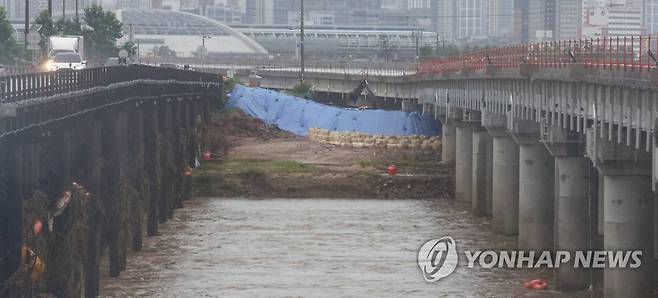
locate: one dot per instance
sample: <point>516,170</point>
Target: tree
<point>426,52</point>
<point>70,26</point>
<point>9,50</point>
<point>386,47</point>
<point>165,52</point>
<point>102,33</point>
<point>48,28</point>
<point>131,47</point>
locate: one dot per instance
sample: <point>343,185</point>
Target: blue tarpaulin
<point>297,115</point>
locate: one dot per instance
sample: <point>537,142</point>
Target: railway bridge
<point>91,161</point>
<point>556,141</point>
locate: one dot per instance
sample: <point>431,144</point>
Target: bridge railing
<point>27,86</point>
<point>627,53</point>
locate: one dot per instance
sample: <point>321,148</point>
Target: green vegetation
<point>228,86</point>
<point>102,34</point>
<point>131,48</point>
<point>100,28</point>
<point>302,89</point>
<point>10,52</point>
<point>237,166</point>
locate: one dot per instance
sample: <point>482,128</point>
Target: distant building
<point>651,16</point>
<point>463,20</point>
<point>568,19</point>
<point>16,8</point>
<point>259,12</point>
<point>183,33</point>
<point>501,19</point>
<point>603,18</point>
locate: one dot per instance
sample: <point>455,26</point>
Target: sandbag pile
<point>361,140</point>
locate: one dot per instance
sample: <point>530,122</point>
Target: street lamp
<point>301,43</point>
<point>203,45</point>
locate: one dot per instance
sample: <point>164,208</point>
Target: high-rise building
<point>568,19</point>
<point>602,18</point>
<point>501,18</point>
<point>540,20</point>
<point>260,12</point>
<point>651,16</point>
<point>463,20</point>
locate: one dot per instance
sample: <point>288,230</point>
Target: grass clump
<point>238,166</point>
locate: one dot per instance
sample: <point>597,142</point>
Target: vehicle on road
<point>66,60</point>
<point>66,44</point>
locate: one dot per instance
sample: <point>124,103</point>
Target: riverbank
<point>253,160</point>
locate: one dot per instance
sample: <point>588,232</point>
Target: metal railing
<point>627,53</point>
<point>27,86</point>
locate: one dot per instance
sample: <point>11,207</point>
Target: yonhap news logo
<point>438,258</point>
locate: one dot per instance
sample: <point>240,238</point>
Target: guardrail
<point>27,86</point>
<point>628,53</point>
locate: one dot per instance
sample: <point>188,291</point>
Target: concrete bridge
<point>556,141</point>
<point>99,157</point>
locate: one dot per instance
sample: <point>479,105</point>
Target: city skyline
<point>459,21</point>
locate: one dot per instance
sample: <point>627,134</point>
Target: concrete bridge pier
<point>505,193</point>
<point>536,188</point>
<point>628,226</point>
<point>572,220</point>
<point>505,175</point>
<point>449,144</point>
<point>628,214</point>
<point>482,178</point>
<point>536,197</point>
<point>464,165</point>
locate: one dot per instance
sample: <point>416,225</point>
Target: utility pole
<point>301,43</point>
<point>50,8</point>
<point>63,9</point>
<point>76,10</point>
<point>27,20</point>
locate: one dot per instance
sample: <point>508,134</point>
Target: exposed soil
<point>255,160</point>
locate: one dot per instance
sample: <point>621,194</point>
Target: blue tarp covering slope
<point>297,115</point>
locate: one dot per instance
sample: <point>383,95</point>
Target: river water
<point>314,248</point>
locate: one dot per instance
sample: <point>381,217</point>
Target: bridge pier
<point>165,210</point>
<point>152,165</point>
<point>628,226</point>
<point>113,194</point>
<point>11,200</point>
<point>505,193</point>
<point>136,176</point>
<point>536,198</point>
<point>91,178</point>
<point>448,144</point>
<point>482,178</point>
<point>572,221</point>
<point>464,165</point>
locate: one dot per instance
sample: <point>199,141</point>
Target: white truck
<point>66,52</point>
<point>66,43</point>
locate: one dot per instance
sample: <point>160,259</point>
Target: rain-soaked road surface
<point>311,248</point>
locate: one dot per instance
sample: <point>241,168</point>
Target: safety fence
<point>34,85</point>
<point>627,53</point>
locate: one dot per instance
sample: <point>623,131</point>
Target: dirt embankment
<point>255,160</point>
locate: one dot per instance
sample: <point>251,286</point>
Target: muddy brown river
<point>314,248</point>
